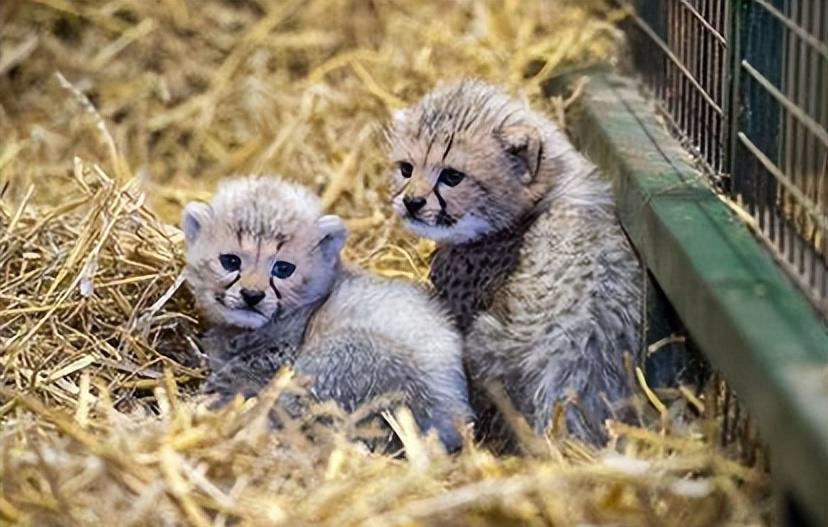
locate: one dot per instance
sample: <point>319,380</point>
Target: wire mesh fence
<point>745,82</point>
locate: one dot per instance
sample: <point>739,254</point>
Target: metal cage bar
<point>736,303</point>
<point>688,69</point>
<point>745,84</point>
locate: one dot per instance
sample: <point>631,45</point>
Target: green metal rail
<point>744,313</point>
<point>745,84</point>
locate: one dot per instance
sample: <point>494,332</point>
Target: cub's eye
<point>451,177</point>
<point>230,262</point>
<point>282,269</point>
<point>406,169</point>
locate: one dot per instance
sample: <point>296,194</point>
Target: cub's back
<point>394,311</point>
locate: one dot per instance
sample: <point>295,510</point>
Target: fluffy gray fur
<point>357,336</point>
<point>531,259</point>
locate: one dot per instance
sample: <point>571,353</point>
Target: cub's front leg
<point>244,362</point>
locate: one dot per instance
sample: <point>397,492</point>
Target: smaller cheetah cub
<point>263,263</point>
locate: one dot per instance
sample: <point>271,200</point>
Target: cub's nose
<point>252,296</point>
<point>414,204</point>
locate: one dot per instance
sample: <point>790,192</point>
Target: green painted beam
<point>739,307</point>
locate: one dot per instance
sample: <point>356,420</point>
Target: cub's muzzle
<point>414,204</point>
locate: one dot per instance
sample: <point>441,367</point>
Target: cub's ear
<point>333,233</point>
<point>195,214</point>
<point>399,117</point>
<point>523,142</point>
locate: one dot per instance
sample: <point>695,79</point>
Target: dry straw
<point>115,113</point>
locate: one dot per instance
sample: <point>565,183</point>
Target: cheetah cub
<point>264,266</point>
<point>530,257</point>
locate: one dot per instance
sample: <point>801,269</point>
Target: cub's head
<point>465,159</point>
<point>260,247</point>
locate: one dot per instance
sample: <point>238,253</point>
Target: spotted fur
<point>545,287</point>
<point>356,336</point>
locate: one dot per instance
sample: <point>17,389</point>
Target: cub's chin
<point>468,228</point>
<point>244,318</point>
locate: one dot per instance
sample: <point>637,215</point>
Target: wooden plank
<point>743,312</point>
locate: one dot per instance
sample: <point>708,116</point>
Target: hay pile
<point>115,113</point>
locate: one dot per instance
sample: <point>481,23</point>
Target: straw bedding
<point>115,113</point>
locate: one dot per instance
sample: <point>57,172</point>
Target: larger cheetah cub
<point>263,263</point>
<point>531,259</point>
